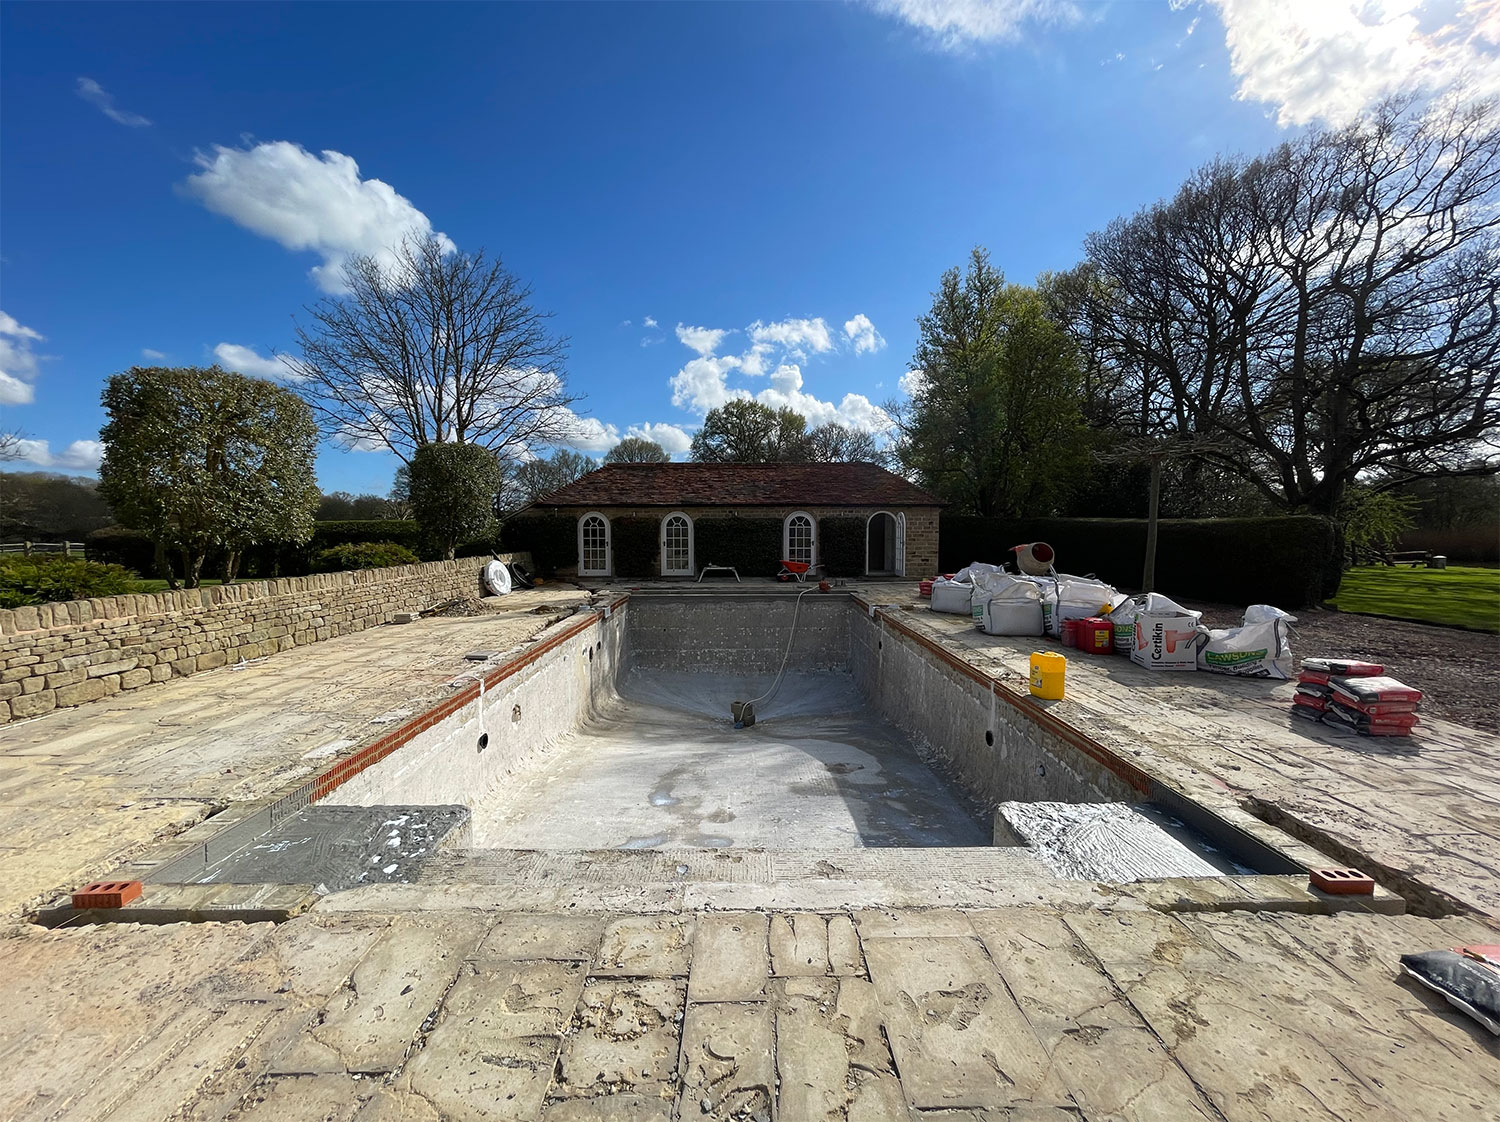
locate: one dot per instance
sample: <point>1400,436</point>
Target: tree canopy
<point>198,458</point>
<point>452,491</point>
<point>439,347</point>
<point>993,424</point>
<point>637,450</point>
<point>749,432</point>
<point>526,481</point>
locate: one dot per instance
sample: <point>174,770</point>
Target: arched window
<point>677,545</point>
<point>594,555</point>
<point>799,539</point>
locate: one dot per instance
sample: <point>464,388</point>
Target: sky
<point>713,200</point>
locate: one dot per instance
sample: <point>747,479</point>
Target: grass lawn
<point>1470,597</point>
<point>161,585</point>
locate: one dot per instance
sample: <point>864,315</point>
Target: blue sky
<point>711,198</point>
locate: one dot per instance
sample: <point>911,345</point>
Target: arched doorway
<point>885,545</point>
<point>677,545</point>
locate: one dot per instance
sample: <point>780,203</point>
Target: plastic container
<point>1047,670</point>
<point>1096,635</point>
<point>1070,632</point>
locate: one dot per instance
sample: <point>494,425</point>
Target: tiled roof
<point>739,485</point>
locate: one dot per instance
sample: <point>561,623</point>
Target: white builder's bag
<point>952,596</point>
<point>1073,597</point>
<point>1258,648</point>
<point>1014,610</point>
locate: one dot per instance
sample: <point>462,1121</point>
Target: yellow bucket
<point>1047,675</point>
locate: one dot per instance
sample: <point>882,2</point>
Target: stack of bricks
<point>57,655</point>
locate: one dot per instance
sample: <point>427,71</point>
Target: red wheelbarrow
<point>793,570</point>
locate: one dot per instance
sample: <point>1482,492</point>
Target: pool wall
<point>742,633</point>
<point>996,750</point>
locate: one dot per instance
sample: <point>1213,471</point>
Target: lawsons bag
<point>1258,648</point>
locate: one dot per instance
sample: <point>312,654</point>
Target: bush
<point>551,539</point>
<point>452,492</point>
<point>841,545</point>
<point>750,545</point>
<point>43,580</point>
<point>1290,561</point>
<point>636,543</point>
<point>362,555</point>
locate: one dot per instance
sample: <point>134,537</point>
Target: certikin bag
<point>1258,648</point>
<point>1166,635</point>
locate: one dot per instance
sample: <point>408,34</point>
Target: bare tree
<point>441,347</point>
<point>1323,313</point>
<point>833,443</point>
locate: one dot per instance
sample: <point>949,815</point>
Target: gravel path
<point>1458,671</point>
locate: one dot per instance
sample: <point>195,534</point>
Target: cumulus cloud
<point>153,354</point>
<point>649,322</point>
<point>704,340</point>
<point>861,332</point>
<point>81,455</point>
<point>957,24</point>
<point>703,383</point>
<point>18,362</point>
<point>1331,59</point>
<point>303,201</point>
<point>589,434</point>
<point>794,334</point>
<point>97,96</point>
<point>247,360</point>
<point>673,440</point>
<point>855,410</point>
<point>912,383</point>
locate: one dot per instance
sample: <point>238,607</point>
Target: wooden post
<point>1148,579</point>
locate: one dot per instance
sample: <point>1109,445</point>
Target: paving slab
<point>728,1066</point>
<point>730,960</point>
<point>624,1040</point>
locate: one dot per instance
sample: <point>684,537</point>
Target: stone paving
<point>1023,1013</point>
<point>83,789</point>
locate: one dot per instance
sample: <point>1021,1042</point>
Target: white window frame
<point>786,536</point>
<point>691,546</point>
<point>609,547</point>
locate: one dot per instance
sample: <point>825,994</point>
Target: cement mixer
<point>1035,559</point>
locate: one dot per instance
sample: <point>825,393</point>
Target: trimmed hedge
<point>750,545</point>
<point>1289,561</point>
<point>635,542</point>
<point>551,539</point>
<point>362,555</point>
<point>45,579</point>
<point>841,545</point>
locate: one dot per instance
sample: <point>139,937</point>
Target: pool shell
<point>994,744</point>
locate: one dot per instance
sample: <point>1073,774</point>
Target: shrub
<point>750,545</point>
<point>362,555</point>
<point>44,580</point>
<point>1290,561</point>
<point>841,545</point>
<point>636,543</point>
<point>551,539</point>
<point>453,489</point>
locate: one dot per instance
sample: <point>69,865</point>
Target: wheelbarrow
<point>793,570</point>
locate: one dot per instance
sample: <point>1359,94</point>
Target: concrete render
<point>569,986</point>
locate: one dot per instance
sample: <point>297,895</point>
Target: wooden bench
<point>1412,557</point>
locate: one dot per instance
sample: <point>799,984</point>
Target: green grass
<point>1468,597</point>
<point>161,585</point>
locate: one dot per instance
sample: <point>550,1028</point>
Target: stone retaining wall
<point>55,655</point>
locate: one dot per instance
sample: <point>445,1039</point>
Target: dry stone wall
<point>54,655</point>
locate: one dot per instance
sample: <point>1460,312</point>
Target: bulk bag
<point>1258,648</point>
<point>1071,597</point>
<point>1015,610</point>
<point>952,596</point>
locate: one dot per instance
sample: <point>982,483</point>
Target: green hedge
<point>841,545</point>
<point>551,539</point>
<point>40,579</point>
<point>750,545</point>
<point>362,555</point>
<point>635,542</point>
<point>1290,561</point>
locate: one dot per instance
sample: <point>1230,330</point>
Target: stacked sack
<point>1350,694</point>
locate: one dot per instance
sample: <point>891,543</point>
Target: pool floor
<point>664,768</point>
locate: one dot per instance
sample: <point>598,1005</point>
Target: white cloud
<point>1331,59</point>
<point>591,435</point>
<point>649,322</point>
<point>955,24</point>
<point>704,340</point>
<point>912,383</point>
<point>97,96</point>
<point>703,384</point>
<point>18,362</point>
<point>794,334</point>
<point>281,191</point>
<point>861,332</point>
<point>246,360</point>
<point>148,352</point>
<point>855,410</point>
<point>674,440</point>
<point>81,455</point>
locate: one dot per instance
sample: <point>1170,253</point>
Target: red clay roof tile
<point>695,484</point>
